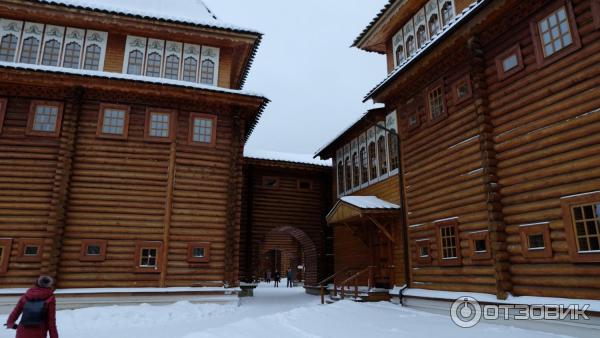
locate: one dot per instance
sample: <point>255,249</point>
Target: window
<point>421,36</point>
<point>448,243</point>
<point>203,129</point>
<point>535,240</point>
<point>304,185</point>
<point>436,102</point>
<point>134,63</point>
<point>29,50</point>
<point>382,155</point>
<point>461,89</point>
<point>340,177</point>
<point>348,173</point>
<point>198,252</point>
<point>207,73</point>
<point>190,68</point>
<point>393,151</point>
<point>372,161</point>
<point>270,182</point>
<point>447,12</point>
<point>423,250</point>
<point>509,63</point>
<point>172,67</point>
<point>92,57</point>
<point>153,65</point>
<point>5,248</point>
<point>413,121</point>
<point>160,125</point>
<point>355,171</point>
<point>148,257</point>
<point>8,47</point>
<point>113,121</point>
<point>72,55</point>
<point>44,118</point>
<point>400,55</point>
<point>581,218</point>
<point>30,250</point>
<point>411,47</point>
<point>555,33</point>
<point>364,169</point>
<point>93,250</point>
<point>434,25</point>
<point>479,243</point>
<point>51,53</point>
<point>2,113</point>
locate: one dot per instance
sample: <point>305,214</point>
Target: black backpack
<point>34,313</point>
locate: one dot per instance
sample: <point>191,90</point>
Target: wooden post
<point>355,288</point>
<point>168,214</point>
<point>322,294</point>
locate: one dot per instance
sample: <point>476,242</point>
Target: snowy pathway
<point>271,313</point>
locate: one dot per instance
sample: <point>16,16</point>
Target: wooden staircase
<point>350,289</point>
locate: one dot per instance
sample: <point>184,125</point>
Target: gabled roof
<point>353,208</point>
<point>456,22</point>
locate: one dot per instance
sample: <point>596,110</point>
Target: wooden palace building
<point>122,131</point>
<point>482,171</point>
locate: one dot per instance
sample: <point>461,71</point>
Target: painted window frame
<point>3,104</point>
<point>99,39</point>
<point>155,46</point>
<point>101,112</point>
<point>439,84</point>
<point>84,257</point>
<point>141,245</point>
<point>304,180</point>
<point>450,261</point>
<point>372,162</point>
<point>514,50</point>
<point>172,125</point>
<point>15,28</point>
<point>479,236</point>
<point>173,48</point>
<point>364,171</point>
<point>276,185</point>
<point>31,30</point>
<point>340,175</point>
<point>567,205</point>
<point>213,54</point>
<point>213,118</point>
<point>6,244</point>
<point>541,59</point>
<point>391,124</point>
<point>134,43</point>
<point>31,118</point>
<point>465,79</point>
<point>23,243</point>
<point>73,35</point>
<point>441,4</point>
<point>527,230</point>
<point>195,245</point>
<point>348,169</point>
<point>56,33</point>
<point>423,260</point>
<point>355,163</point>
<point>191,51</point>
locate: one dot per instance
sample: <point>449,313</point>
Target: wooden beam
<point>168,213</point>
<point>383,229</point>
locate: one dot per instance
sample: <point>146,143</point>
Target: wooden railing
<point>323,284</point>
<point>345,284</point>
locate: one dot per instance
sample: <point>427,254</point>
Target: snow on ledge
<point>489,298</point>
<point>369,202</point>
<point>286,157</point>
<point>126,290</point>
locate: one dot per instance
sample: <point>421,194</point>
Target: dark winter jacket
<point>42,330</point>
<point>277,276</point>
<point>289,275</point>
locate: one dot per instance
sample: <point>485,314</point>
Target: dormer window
<point>29,50</point>
<point>51,53</point>
<point>8,47</point>
<point>434,24</point>
<point>447,12</point>
<point>72,55</point>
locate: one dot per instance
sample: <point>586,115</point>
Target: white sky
<point>305,65</point>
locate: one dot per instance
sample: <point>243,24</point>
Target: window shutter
<point>75,35</point>
<point>11,27</point>
<point>96,38</point>
<point>212,54</point>
<point>134,43</point>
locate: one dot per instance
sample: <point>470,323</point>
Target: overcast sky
<point>305,65</point>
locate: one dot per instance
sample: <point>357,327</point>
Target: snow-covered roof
<point>285,157</point>
<point>443,33</point>
<point>369,202</point>
<point>127,77</point>
<point>193,12</point>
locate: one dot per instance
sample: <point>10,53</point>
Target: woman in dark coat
<point>277,278</point>
<point>42,291</point>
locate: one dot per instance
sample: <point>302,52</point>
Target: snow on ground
<point>270,313</point>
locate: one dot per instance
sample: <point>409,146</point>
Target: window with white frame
<point>135,62</point>
<point>51,53</point>
<point>340,176</point>
<point>207,72</point>
<point>434,24</point>
<point>135,50</point>
<point>364,168</point>
<point>209,65</point>
<point>382,154</point>
<point>421,36</point>
<point>191,57</point>
<point>172,67</point>
<point>29,50</point>
<point>447,11</point>
<point>92,57</point>
<point>347,172</point>
<point>372,161</point>
<point>8,47</point>
<point>392,142</point>
<point>72,55</point>
<point>153,64</point>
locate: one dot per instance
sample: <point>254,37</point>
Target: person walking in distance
<point>37,308</point>
<point>277,278</point>
<point>290,278</point>
<point>268,276</point>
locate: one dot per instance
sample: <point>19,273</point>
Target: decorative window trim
<point>56,33</point>
<point>84,257</point>
<point>75,35</point>
<point>3,103</point>
<point>31,30</point>
<point>466,79</point>
<point>6,244</point>
<point>31,118</point>
<point>276,185</point>
<point>422,260</point>
<point>14,28</point>
<point>193,117</point>
<point>134,43</point>
<point>567,204</point>
<point>434,86</point>
<point>95,38</point>
<point>26,242</point>
<point>532,229</point>
<point>139,245</point>
<point>542,60</point>
<point>596,13</point>
<point>456,261</point>
<point>213,54</point>
<point>310,184</point>
<point>410,127</point>
<point>172,125</point>
<point>190,252</point>
<point>193,51</point>
<point>479,236</point>
<point>514,50</point>
<point>103,107</point>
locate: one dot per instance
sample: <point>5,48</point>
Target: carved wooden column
<point>496,225</point>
